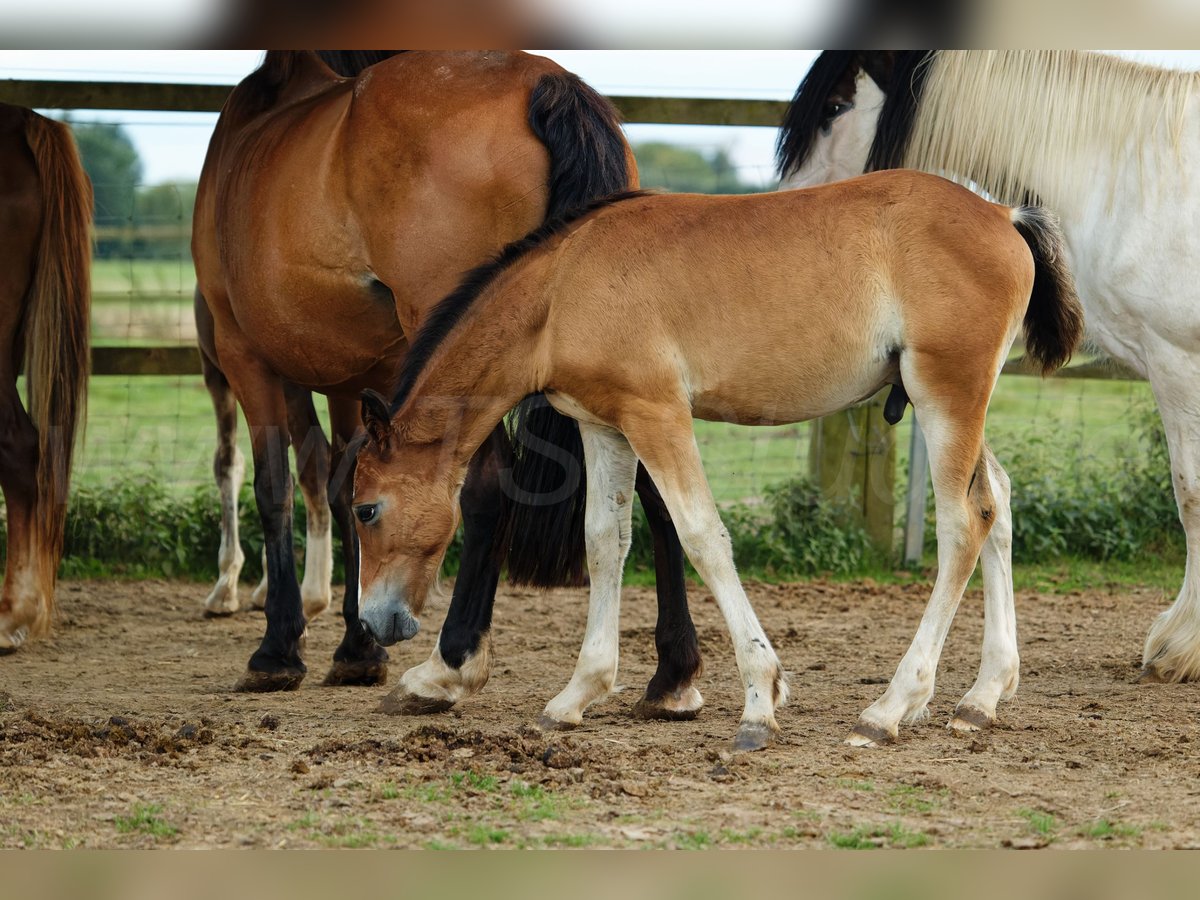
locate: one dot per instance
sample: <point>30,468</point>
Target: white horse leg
<point>1000,666</point>
<point>258,597</point>
<point>611,472</point>
<point>316,590</point>
<point>965,509</point>
<point>668,450</point>
<point>1172,651</point>
<point>230,469</point>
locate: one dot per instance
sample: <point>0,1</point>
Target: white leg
<point>434,686</point>
<point>316,590</point>
<point>1000,666</point>
<point>1172,651</point>
<point>611,471</point>
<point>668,449</point>
<point>963,517</point>
<point>223,599</point>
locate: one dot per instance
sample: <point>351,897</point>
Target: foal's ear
<point>375,416</point>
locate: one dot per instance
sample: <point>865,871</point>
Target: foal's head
<point>406,510</point>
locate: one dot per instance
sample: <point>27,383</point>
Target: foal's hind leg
<point>312,465</point>
<point>670,693</point>
<point>24,601</point>
<point>1000,666</point>
<point>965,511</point>
<point>611,474</point>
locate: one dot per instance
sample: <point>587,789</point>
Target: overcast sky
<point>172,145</point>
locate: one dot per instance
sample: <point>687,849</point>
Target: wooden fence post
<point>852,458</point>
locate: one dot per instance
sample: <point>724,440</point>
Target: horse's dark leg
<point>670,694</point>
<point>358,660</point>
<point>461,661</point>
<point>276,665</point>
<point>312,464</point>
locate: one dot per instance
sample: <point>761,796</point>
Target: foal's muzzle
<point>389,622</point>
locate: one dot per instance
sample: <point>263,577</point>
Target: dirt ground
<point>122,730</point>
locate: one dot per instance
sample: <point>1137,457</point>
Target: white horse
<point>1111,146</point>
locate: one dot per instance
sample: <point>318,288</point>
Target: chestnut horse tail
<point>1054,320</point>
<point>57,331</point>
<point>543,530</point>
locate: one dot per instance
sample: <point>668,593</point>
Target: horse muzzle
<point>389,622</point>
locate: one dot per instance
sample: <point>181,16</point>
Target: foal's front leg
<point>611,472</point>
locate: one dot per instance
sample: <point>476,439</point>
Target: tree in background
<point>113,164</point>
<point>684,170</point>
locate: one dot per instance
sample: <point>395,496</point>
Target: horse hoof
<point>753,736</point>
<point>677,706</point>
<point>968,719</point>
<point>546,723</point>
<point>11,642</point>
<point>1151,674</point>
<point>867,735</point>
<point>254,682</point>
<point>357,673</point>
<point>401,703</point>
<point>218,613</point>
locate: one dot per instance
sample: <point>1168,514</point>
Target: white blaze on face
<point>843,152</point>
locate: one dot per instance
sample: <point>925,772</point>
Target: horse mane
<point>1016,121</point>
<point>895,124</point>
<point>453,308</point>
<point>349,63</point>
<point>806,112</point>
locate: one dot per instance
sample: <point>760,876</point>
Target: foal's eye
<point>367,512</point>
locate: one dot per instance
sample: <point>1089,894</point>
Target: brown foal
<point>650,310</point>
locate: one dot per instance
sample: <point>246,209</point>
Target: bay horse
<point>331,215</point>
<point>45,298</point>
<point>648,311</point>
<point>1112,147</point>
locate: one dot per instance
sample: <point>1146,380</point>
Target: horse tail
<point>1054,319</point>
<point>57,352</point>
<point>543,528</point>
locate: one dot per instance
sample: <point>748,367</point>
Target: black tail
<point>1054,320</point>
<point>544,525</point>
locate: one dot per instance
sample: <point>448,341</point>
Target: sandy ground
<point>121,730</point>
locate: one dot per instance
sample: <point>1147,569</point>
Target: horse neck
<point>484,367</point>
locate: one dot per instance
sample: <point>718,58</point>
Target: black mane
<point>452,308</point>
<point>806,112</point>
<point>894,129</point>
<point>349,63</point>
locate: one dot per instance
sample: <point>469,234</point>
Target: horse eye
<point>367,512</point>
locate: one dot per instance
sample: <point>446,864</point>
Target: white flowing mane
<point>1013,121</point>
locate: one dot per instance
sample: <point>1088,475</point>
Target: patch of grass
<point>749,836</point>
<point>693,840</point>
<point>908,798</point>
<point>488,784</point>
<point>389,791</point>
<point>1107,830</point>
<point>439,845</point>
<point>850,784</point>
<point>484,836</point>
<point>573,841</point>
<point>427,793</point>
<point>872,837</point>
<point>1041,823</point>
<point>534,803</point>
<point>146,819</point>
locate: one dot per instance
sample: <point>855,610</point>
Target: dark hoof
<point>358,673</point>
<point>401,703</point>
<point>254,682</point>
<point>867,735</point>
<point>968,718</point>
<point>8,651</point>
<point>654,709</point>
<point>548,724</point>
<point>753,736</point>
<point>219,613</point>
<point>1151,675</point>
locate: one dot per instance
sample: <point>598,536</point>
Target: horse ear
<point>376,417</point>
